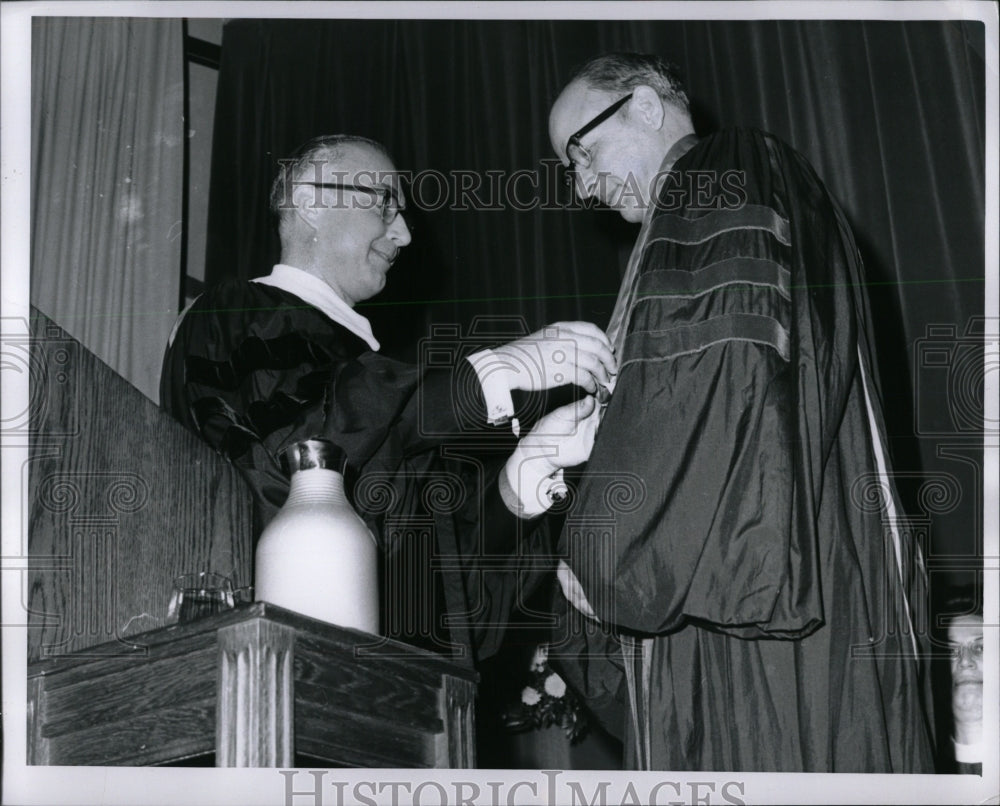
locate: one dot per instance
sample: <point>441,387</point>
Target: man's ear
<point>307,201</point>
<point>647,106</point>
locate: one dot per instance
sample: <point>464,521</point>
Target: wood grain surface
<point>167,734</point>
<point>352,740</point>
<point>254,685</point>
<point>121,499</point>
<point>118,696</point>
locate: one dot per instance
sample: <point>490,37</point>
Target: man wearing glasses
<point>253,367</point>
<point>756,601</point>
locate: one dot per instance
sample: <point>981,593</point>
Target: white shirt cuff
<point>494,378</point>
<point>534,485</point>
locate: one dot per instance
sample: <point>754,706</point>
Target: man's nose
<point>399,232</point>
<point>966,657</point>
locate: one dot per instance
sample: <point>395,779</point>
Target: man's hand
<point>558,354</point>
<point>562,438</point>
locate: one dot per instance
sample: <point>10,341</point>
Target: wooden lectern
<point>122,499</point>
<point>258,687</point>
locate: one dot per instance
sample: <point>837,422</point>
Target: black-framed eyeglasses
<point>579,156</point>
<point>388,205</point>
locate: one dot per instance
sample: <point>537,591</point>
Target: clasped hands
<point>559,354</point>
<point>532,478</point>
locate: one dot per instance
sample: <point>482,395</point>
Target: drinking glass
<point>200,594</point>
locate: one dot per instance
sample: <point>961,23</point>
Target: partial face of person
<point>965,640</point>
<point>356,244</point>
<point>624,150</point>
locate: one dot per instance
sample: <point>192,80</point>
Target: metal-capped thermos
<point>317,557</point>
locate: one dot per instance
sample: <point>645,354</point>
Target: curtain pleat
<point>107,177</point>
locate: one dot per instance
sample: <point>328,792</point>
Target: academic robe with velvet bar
<point>252,369</point>
<point>769,604</point>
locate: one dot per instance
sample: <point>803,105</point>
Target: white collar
<point>311,289</point>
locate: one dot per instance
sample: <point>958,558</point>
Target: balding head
<point>306,164</point>
<point>619,148</point>
<point>336,199</point>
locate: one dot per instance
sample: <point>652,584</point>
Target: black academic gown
<point>253,369</point>
<point>751,556</point>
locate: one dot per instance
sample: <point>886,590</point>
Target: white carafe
<point>317,557</point>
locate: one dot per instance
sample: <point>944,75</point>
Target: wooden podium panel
<point>255,686</point>
<point>121,499</point>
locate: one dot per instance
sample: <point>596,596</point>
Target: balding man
<point>761,595</point>
<point>256,366</point>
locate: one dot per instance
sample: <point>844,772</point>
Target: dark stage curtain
<point>891,114</point>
